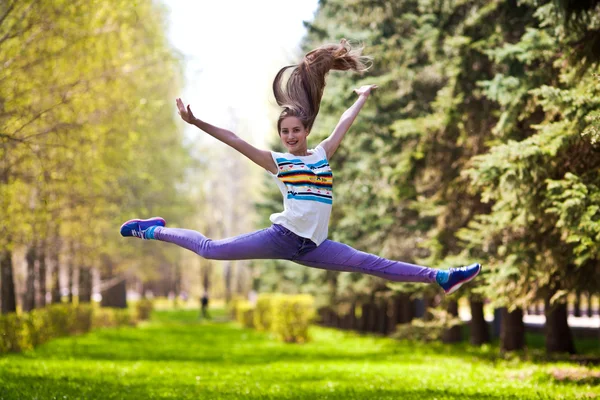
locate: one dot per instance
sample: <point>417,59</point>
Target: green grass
<point>177,357</point>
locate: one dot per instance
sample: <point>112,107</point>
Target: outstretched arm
<point>333,141</point>
<point>260,157</point>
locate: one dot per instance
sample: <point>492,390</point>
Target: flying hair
<point>301,95</point>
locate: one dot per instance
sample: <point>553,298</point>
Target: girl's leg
<point>341,257</point>
<point>255,245</point>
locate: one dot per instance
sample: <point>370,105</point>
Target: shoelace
<point>460,269</point>
<point>139,233</point>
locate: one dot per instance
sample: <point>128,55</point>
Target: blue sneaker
<point>136,227</point>
<point>460,276</point>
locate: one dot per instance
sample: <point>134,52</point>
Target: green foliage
<point>292,316</point>
<point>144,309</point>
<point>244,313</point>
<point>26,331</point>
<point>263,311</point>
<point>234,303</point>
<point>481,143</point>
<point>88,127</point>
<point>288,316</point>
<point>427,330</point>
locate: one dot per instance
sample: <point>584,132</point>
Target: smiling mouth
<point>292,143</point>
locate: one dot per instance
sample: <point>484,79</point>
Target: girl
<point>304,176</point>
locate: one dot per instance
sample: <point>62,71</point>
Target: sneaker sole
<point>460,283</point>
<point>159,219</point>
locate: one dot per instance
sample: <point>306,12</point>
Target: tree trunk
<point>480,331</point>
<point>85,285</point>
<point>55,259</point>
<point>206,272</point>
<point>71,272</point>
<point>512,331</point>
<point>29,295</point>
<point>403,309</point>
<point>115,296</point>
<point>7,283</point>
<point>365,316</point>
<point>372,321</point>
<point>240,282</point>
<point>177,279</point>
<point>454,334</point>
<point>42,273</point>
<point>422,306</point>
<point>590,311</point>
<point>382,320</point>
<point>577,304</point>
<point>227,270</point>
<point>558,334</point>
<point>352,316</point>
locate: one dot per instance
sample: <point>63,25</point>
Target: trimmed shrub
<point>123,317</point>
<point>38,326</point>
<point>144,309</point>
<point>84,317</point>
<point>25,331</point>
<point>233,305</point>
<point>292,316</point>
<point>14,335</point>
<point>263,312</point>
<point>245,314</point>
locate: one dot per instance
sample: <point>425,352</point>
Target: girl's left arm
<point>333,141</point>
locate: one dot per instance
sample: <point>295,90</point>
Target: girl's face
<point>293,135</point>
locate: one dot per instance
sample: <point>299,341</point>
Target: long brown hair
<point>301,95</point>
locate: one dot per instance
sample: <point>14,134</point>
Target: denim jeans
<point>277,242</point>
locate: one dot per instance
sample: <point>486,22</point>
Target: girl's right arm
<point>260,157</point>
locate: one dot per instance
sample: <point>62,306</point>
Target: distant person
<point>305,179</point>
<point>204,306</point>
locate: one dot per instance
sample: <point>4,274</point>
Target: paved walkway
<point>574,322</point>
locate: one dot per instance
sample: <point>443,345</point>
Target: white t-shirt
<point>306,183</point>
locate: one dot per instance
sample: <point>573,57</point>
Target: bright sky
<point>233,50</point>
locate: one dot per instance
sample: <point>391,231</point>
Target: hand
<point>365,90</point>
<point>186,114</point>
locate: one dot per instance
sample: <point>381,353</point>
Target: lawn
<point>177,357</point>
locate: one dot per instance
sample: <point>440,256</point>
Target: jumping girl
<point>304,176</point>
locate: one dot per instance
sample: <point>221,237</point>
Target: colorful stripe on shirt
<point>309,182</point>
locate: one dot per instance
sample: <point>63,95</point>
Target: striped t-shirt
<point>306,183</point>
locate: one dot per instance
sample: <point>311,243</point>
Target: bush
<point>25,331</point>
<point>123,317</point>
<point>233,305</point>
<point>14,335</point>
<point>84,317</point>
<point>144,309</point>
<point>106,317</point>
<point>38,326</point>
<point>245,314</point>
<point>292,316</point>
<point>427,331</point>
<point>263,312</point>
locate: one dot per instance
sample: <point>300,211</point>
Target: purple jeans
<point>277,242</point>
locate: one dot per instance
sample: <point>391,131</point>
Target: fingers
<point>179,105</point>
